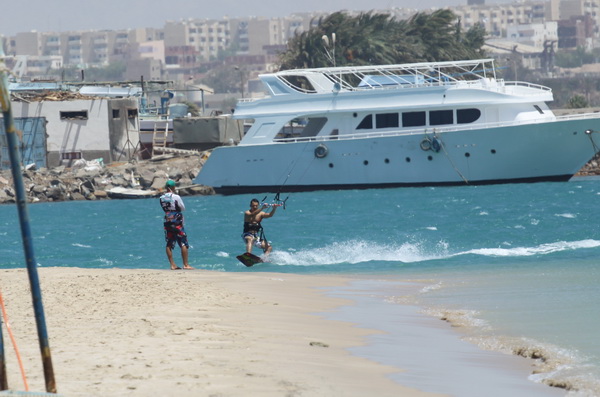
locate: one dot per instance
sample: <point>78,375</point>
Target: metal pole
<point>202,97</point>
<point>36,293</point>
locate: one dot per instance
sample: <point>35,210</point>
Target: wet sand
<point>199,333</point>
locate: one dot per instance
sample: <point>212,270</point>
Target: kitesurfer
<point>173,206</point>
<point>253,231</point>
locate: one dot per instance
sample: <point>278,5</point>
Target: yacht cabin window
<point>302,128</point>
<point>413,119</point>
<point>366,123</point>
<point>419,119</point>
<point>313,127</point>
<point>386,120</point>
<point>466,116</point>
<point>441,117</point>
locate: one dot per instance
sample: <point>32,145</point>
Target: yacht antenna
<point>326,42</point>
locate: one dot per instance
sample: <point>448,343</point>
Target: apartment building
<point>206,37</point>
<point>496,18</point>
<point>188,44</point>
<point>533,34</point>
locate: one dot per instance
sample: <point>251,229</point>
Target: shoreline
<point>438,354</point>
<point>189,333</point>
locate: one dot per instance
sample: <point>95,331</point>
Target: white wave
<point>81,245</point>
<point>360,251</point>
<point>542,249</point>
<point>222,254</point>
<point>431,287</point>
<point>104,262</point>
<point>357,251</point>
<point>567,215</point>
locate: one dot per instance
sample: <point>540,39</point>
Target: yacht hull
<point>549,151</point>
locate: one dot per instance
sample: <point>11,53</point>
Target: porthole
<point>493,151</point>
<point>366,162</point>
<point>408,159</point>
<point>467,154</point>
<point>429,158</point>
<point>387,161</point>
<point>330,165</point>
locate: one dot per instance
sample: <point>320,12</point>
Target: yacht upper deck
<point>471,73</point>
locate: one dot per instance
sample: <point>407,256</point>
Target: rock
<point>88,184</point>
<point>39,189</point>
<point>200,189</point>
<point>58,170</point>
<point>56,193</point>
<point>159,183</point>
<point>119,180</point>
<point>77,196</point>
<point>63,183</point>
<point>146,178</point>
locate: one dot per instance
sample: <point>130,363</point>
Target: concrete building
<point>208,37</point>
<point>27,43</point>
<point>189,44</point>
<point>533,34</point>
<point>496,18</point>
<point>146,59</point>
<point>86,128</point>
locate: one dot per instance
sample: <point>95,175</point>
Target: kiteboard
<point>249,259</point>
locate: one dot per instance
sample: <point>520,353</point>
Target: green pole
<point>36,292</point>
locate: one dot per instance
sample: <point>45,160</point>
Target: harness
<point>173,217</point>
<point>255,230</point>
<point>252,227</point>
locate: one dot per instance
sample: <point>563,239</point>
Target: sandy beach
<point>189,333</point>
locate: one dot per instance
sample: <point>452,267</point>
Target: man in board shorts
<point>173,206</point>
<point>253,229</point>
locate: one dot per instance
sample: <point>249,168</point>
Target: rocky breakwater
<point>91,180</point>
<point>592,168</point>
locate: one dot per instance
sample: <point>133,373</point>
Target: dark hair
<point>254,201</point>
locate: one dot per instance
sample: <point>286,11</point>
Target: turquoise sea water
<point>518,264</point>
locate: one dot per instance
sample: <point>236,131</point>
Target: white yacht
<point>422,124</point>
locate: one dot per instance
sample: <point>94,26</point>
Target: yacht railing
<point>528,85</point>
<point>376,77</point>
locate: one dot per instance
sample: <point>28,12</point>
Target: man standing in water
<point>252,234</point>
<point>173,206</point>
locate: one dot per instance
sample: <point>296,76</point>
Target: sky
<point>65,15</point>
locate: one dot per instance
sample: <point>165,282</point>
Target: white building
<point>533,34</point>
<point>86,128</point>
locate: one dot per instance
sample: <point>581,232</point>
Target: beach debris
<point>319,344</point>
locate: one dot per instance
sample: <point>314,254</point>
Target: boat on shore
<point>421,124</point>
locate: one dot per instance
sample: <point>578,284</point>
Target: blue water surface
<point>524,259</point>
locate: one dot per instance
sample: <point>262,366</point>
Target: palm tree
<point>371,38</point>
